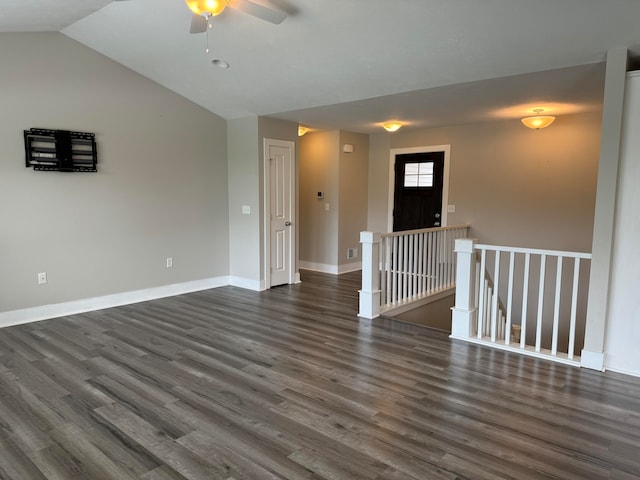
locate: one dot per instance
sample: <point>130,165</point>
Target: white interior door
<point>281,212</point>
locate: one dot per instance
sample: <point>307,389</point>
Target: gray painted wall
<point>319,172</point>
<point>343,178</point>
<point>515,186</point>
<point>275,129</point>
<point>378,179</point>
<point>244,189</point>
<point>161,188</point>
<point>353,187</point>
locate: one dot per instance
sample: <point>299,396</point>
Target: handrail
<point>533,251</point>
<point>424,230</point>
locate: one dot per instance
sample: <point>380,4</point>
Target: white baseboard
<point>349,267</point>
<point>614,363</point>
<point>592,360</point>
<point>247,283</point>
<point>44,312</point>
<point>332,269</point>
<point>633,373</point>
<point>319,267</point>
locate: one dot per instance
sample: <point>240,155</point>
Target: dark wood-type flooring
<point>289,384</point>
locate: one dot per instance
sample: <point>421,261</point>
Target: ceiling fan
<point>203,10</point>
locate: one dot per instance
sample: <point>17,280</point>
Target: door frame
<point>392,178</point>
<point>294,275</point>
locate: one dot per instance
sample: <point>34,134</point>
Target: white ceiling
<point>351,63</point>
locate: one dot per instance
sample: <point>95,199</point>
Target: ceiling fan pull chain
<point>208,26</point>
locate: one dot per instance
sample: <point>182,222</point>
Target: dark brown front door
<point>418,191</point>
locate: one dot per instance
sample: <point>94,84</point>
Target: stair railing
<point>545,293</point>
<point>402,268</point>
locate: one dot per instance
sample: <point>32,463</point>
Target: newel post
<point>370,293</point>
<point>464,313</point>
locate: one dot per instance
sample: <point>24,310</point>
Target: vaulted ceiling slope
<point>329,58</point>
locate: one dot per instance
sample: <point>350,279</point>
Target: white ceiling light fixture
<point>391,126</point>
<point>302,130</point>
<point>538,121</point>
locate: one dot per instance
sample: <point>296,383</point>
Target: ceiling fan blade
<point>264,13</point>
<point>199,24</point>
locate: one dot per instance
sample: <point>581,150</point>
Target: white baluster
<point>556,307</point>
<point>481,306</point>
<point>574,307</point>
<point>525,298</point>
<point>494,307</point>
<point>420,272</point>
<point>543,267</point>
<point>394,259</point>
<point>507,327</point>
<point>430,262</point>
<point>405,266</point>
<point>388,259</point>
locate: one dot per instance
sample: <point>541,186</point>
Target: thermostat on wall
<point>320,195</point>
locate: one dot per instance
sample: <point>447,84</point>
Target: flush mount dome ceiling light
<point>302,130</point>
<point>392,126</point>
<point>539,121</point>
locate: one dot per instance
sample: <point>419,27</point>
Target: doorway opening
<point>280,266</point>
<point>418,187</point>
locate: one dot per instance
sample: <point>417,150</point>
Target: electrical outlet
<point>169,262</point>
<point>352,253</point>
<point>42,278</point>
<point>451,208</point>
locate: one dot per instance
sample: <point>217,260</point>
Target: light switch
<point>246,209</point>
<point>326,207</point>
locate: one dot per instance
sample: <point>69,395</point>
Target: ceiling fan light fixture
<point>206,7</point>
<point>392,126</point>
<point>539,121</point>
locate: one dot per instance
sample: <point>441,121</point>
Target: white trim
<point>633,373</point>
<point>445,179</point>
<point>331,269</point>
<point>247,283</point>
<point>592,360</point>
<point>319,267</point>
<point>45,312</point>
<point>294,275</point>
<point>402,307</point>
<point>529,351</point>
<point>349,267</point>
